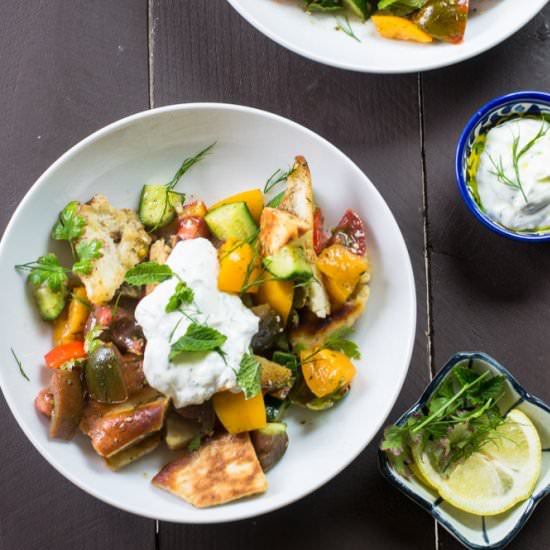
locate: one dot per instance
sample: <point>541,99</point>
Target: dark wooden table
<point>70,67</point>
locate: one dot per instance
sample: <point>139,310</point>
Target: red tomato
<point>350,232</point>
<point>44,402</point>
<point>60,355</point>
<point>192,227</point>
<point>320,237</point>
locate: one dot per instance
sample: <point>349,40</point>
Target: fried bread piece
<point>224,468</point>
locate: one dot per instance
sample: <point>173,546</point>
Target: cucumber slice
<point>157,205</point>
<point>50,302</point>
<point>276,200</point>
<point>361,8</point>
<point>231,220</point>
<point>289,263</point>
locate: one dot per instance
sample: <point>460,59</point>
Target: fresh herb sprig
<point>70,225</point>
<point>197,338</point>
<point>183,295</point>
<point>46,270</point>
<point>460,420</point>
<point>517,154</point>
<point>279,176</point>
<point>249,376</point>
<point>337,341</point>
<point>86,252</point>
<point>20,365</point>
<point>343,24</point>
<point>147,273</point>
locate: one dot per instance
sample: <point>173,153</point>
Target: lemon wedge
<point>493,480</point>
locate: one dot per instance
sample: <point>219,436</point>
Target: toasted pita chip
<point>298,198</point>
<point>277,229</point>
<point>223,469</point>
<point>112,428</point>
<point>133,453</point>
<point>314,333</point>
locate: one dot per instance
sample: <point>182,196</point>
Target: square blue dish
<point>476,532</point>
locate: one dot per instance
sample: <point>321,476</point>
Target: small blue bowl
<point>476,532</point>
<point>503,107</point>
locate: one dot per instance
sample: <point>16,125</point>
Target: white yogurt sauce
<point>507,204</point>
<point>194,377</point>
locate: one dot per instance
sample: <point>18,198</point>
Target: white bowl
<point>314,36</point>
<point>251,144</point>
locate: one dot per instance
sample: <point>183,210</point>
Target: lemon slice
<point>503,473</point>
<point>423,470</point>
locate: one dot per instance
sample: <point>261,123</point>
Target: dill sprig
<point>17,360</point>
<point>343,24</point>
<point>279,176</point>
<point>517,154</point>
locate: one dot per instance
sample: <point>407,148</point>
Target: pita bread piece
<point>224,468</point>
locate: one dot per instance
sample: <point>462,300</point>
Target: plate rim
<point>488,45</point>
<point>104,131</point>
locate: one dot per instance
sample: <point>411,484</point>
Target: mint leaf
<point>87,251</point>
<point>337,342</point>
<point>182,295</point>
<point>46,271</point>
<point>148,273</point>
<point>249,376</point>
<point>197,338</point>
<point>70,225</point>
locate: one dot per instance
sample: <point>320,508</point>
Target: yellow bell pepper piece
<point>239,265</point>
<point>279,295</point>
<point>69,326</point>
<point>238,414</point>
<point>326,371</point>
<point>342,270</point>
<point>254,199</point>
<point>400,28</point>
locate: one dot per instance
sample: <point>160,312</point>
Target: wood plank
<point>489,293</point>
<point>67,68</point>
<point>205,52</point>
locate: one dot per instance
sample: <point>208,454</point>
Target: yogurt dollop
<point>513,178</point>
<point>194,377</point>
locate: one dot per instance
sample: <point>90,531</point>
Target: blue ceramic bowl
<point>519,103</point>
<point>475,532</point>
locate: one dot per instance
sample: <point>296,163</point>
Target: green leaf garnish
<point>195,443</point>
<point>248,377</point>
<point>337,342</point>
<point>148,273</point>
<point>343,24</point>
<point>197,337</point>
<point>182,295</point>
<point>46,270</point>
<point>279,176</point>
<point>87,251</point>
<point>22,372</point>
<point>70,225</point>
<point>287,359</point>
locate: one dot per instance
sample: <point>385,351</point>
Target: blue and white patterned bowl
<point>503,107</point>
<point>475,532</point>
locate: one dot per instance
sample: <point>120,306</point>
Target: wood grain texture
<point>489,293</point>
<point>203,51</point>
<point>68,68</point>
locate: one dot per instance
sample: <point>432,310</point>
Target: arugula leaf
<point>21,371</point>
<point>148,273</point>
<point>197,337</point>
<point>195,443</point>
<point>249,375</point>
<point>182,295</point>
<point>70,225</point>
<point>46,270</point>
<point>87,251</point>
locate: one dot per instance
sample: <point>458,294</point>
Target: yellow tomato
<point>326,371</point>
<point>238,414</point>
<point>279,295</point>
<point>239,266</point>
<point>70,324</point>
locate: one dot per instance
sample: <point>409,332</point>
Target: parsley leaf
<point>249,375</point>
<point>195,443</point>
<point>182,295</point>
<point>148,273</point>
<point>46,271</point>
<point>70,225</point>
<point>197,337</point>
<point>86,252</point>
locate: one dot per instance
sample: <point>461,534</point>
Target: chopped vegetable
<point>238,414</point>
<point>278,294</point>
<point>400,28</point>
<point>254,200</point>
<point>326,371</point>
<point>270,444</point>
<point>192,227</point>
<point>69,326</point>
<point>103,374</point>
<point>444,19</point>
<point>231,220</point>
<point>289,262</point>
<point>68,402</point>
<point>240,265</point>
<point>64,353</point>
<point>197,209</point>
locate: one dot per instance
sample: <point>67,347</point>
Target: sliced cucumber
<point>231,220</point>
<point>289,263</point>
<point>276,200</point>
<point>157,205</point>
<point>50,302</point>
<point>361,8</point>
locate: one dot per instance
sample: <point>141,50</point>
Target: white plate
<point>314,36</point>
<point>251,144</point>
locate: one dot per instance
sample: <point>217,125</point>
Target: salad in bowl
<point>195,327</point>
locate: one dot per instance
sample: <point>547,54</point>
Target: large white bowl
<point>251,144</point>
<point>285,22</point>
